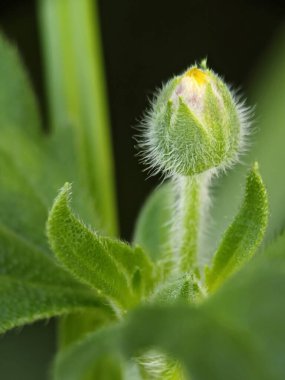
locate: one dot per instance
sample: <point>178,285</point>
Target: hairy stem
<point>191,204</point>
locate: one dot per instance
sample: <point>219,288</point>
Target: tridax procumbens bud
<point>195,124</point>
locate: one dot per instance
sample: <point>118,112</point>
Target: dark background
<point>145,42</point>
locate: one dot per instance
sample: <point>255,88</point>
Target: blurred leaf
<point>24,302</point>
<point>33,165</point>
<point>22,113</point>
<point>153,224</point>
<point>108,367</point>
<point>32,287</point>
<point>254,300</point>
<point>276,247</point>
<point>79,323</point>
<point>244,235</point>
<point>112,267</point>
<point>266,145</point>
<point>208,350</point>
<point>85,354</point>
<point>76,94</point>
<point>238,333</point>
<point>180,331</point>
<point>90,353</point>
<point>23,209</point>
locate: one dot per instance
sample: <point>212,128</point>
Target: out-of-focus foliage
<point>266,145</point>
<point>236,333</point>
<point>244,235</point>
<point>33,286</point>
<point>153,224</point>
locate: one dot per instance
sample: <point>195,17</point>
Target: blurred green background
<point>145,42</point>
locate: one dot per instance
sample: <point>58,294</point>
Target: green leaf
<point>152,229</point>
<point>183,289</point>
<point>254,301</point>
<point>238,333</point>
<point>244,235</point>
<point>267,92</point>
<point>74,362</point>
<point>79,323</point>
<point>276,247</point>
<point>108,367</point>
<point>208,349</point>
<point>18,105</point>
<point>23,209</point>
<point>33,164</point>
<point>24,302</point>
<point>112,267</point>
<point>32,287</point>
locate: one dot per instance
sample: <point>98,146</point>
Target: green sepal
<point>188,138</point>
<point>243,237</point>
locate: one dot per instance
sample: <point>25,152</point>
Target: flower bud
<point>194,125</point>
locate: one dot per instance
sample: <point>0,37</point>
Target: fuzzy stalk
<point>189,213</point>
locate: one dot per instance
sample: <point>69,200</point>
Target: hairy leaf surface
<point>113,268</point>
<point>32,287</point>
<point>244,235</point>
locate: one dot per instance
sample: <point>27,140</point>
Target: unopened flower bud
<point>195,124</point>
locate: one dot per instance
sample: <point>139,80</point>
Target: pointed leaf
<point>109,266</point>
<point>244,235</point>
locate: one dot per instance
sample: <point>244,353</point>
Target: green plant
<point>156,308</point>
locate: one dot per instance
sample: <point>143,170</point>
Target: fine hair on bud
<point>195,124</point>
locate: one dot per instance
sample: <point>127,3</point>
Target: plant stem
<point>188,218</point>
<point>76,95</point>
<point>77,98</point>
